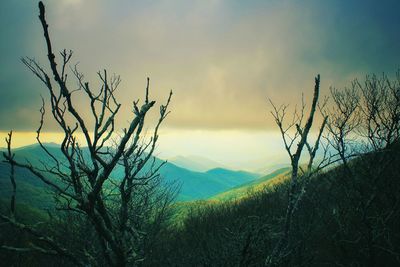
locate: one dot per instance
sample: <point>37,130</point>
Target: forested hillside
<point>348,218</point>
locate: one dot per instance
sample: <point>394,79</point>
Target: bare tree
<point>344,120</point>
<point>82,180</point>
<point>367,113</point>
<point>381,110</point>
<point>293,133</point>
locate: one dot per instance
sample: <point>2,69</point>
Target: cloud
<point>223,59</point>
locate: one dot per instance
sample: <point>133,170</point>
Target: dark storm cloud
<point>222,58</point>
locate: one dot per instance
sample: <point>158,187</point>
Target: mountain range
<point>196,163</point>
<point>194,185</point>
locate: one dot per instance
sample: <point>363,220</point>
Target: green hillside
<point>30,190</point>
<point>231,177</point>
<point>244,190</point>
<point>183,208</point>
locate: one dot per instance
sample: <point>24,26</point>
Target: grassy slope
<point>238,193</point>
<point>241,191</point>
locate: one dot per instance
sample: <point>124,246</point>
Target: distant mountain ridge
<point>196,163</point>
<point>194,185</point>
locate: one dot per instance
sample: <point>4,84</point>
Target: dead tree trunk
<point>282,248</point>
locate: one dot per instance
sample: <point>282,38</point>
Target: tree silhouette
<point>82,179</point>
<point>298,137</point>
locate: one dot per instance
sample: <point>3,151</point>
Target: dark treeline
<point>345,219</point>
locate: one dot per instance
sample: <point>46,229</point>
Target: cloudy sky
<point>221,58</point>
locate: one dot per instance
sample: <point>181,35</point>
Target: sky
<point>223,59</point>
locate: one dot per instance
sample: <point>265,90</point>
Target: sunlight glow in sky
<point>249,150</point>
<point>222,58</point>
